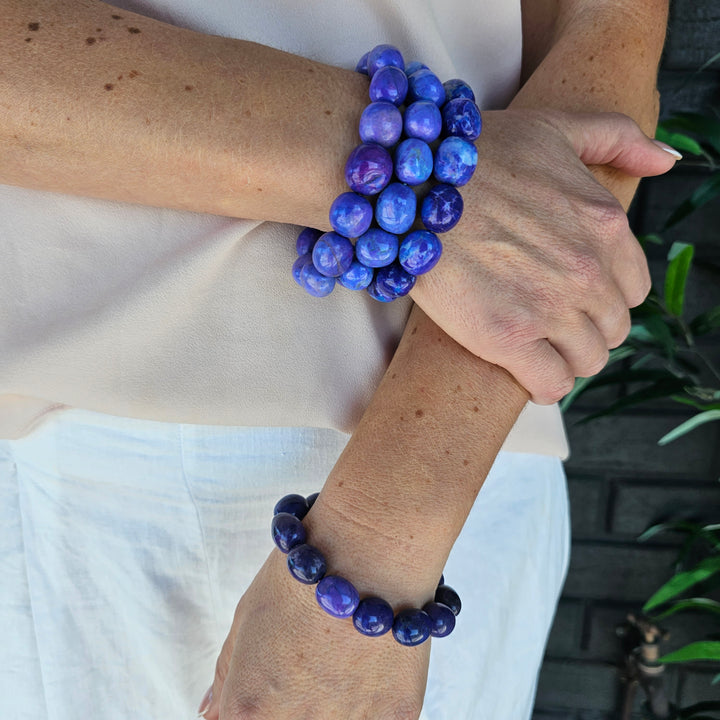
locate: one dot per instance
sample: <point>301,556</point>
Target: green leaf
<point>688,425</point>
<point>707,322</point>
<point>650,238</point>
<point>683,581</point>
<point>706,127</point>
<point>715,680</point>
<point>703,650</point>
<point>653,330</point>
<point>680,257</point>
<point>679,141</point>
<point>703,604</point>
<point>703,194</point>
<point>675,526</point>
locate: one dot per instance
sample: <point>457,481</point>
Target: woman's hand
<point>539,275</point>
<point>286,659</point>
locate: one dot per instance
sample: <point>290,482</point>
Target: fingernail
<point>668,149</point>
<point>205,704</point>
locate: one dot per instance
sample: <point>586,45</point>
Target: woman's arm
<point>102,102</point>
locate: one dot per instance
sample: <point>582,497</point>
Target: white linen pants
<point>125,546</point>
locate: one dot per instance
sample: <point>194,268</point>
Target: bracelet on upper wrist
<point>415,129</point>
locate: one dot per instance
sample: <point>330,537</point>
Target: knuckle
<point>620,330</point>
<point>405,709</point>
<point>585,269</point>
<point>509,331</point>
<point>557,390</point>
<point>594,365</point>
<point>608,218</point>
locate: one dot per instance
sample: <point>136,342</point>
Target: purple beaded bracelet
<point>415,129</point>
<point>371,616</point>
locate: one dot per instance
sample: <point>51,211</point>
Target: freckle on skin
<point>189,88</point>
<point>90,40</point>
<point>591,58</point>
<point>402,418</point>
<point>109,86</point>
<point>328,112</point>
<point>476,409</point>
<point>33,26</point>
<point>116,17</point>
<point>419,413</point>
<point>393,376</point>
<point>133,30</point>
<point>120,77</point>
<point>133,73</point>
<point>414,330</point>
<point>28,39</point>
<point>247,113</point>
<point>341,483</point>
<point>466,462</point>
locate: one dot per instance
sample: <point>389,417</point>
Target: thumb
<point>210,706</point>
<point>616,140</point>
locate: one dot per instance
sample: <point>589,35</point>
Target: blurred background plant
<point>664,358</point>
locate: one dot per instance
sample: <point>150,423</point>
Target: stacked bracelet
<point>415,128</point>
<point>371,616</point>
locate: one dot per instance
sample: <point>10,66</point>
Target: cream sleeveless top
<point>183,317</point>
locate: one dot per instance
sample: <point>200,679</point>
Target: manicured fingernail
<point>205,704</point>
<point>668,149</point>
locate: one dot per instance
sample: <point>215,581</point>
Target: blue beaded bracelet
<point>415,129</point>
<point>371,616</point>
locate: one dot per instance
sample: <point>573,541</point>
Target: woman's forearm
<point>102,102</point>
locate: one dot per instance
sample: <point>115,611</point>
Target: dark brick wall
<point>620,481</point>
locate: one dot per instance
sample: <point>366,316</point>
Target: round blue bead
<point>414,66</point>
<point>425,85</point>
<point>389,84</point>
<point>306,564</point>
<point>337,596</point>
<point>412,627</point>
<point>413,161</point>
<point>294,504</point>
<point>350,214</point>
<point>442,579</point>
<point>384,56</point>
<point>332,254</point>
<point>311,499</point>
<point>394,280</point>
<point>441,209</point>
<point>358,277</point>
<point>461,118</point>
<point>362,67</point>
<point>287,531</point>
<point>396,208</point>
<point>377,294</point>
<point>315,283</point>
<point>368,169</point>
<point>423,120</point>
<point>420,251</point>
<point>447,596</point>
<point>442,618</point>
<point>298,266</point>
<point>373,617</point>
<point>456,88</point>
<point>455,161</point>
<point>376,248</point>
<point>306,240</point>
<point>381,123</point>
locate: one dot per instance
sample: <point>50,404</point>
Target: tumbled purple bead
<point>414,66</point>
<point>332,254</point>
<point>294,504</point>
<point>358,277</point>
<point>373,617</point>
<point>311,499</point>
<point>456,88</point>
<point>381,123</point>
<point>394,280</point>
<point>287,531</point>
<point>389,84</point>
<point>376,248</point>
<point>306,240</point>
<point>298,266</point>
<point>350,214</point>
<point>442,618</point>
<point>362,67</point>
<point>420,251</point>
<point>337,596</point>
<point>461,118</point>
<point>442,579</point>
<point>423,120</point>
<point>447,596</point>
<point>306,564</point>
<point>425,85</point>
<point>383,56</point>
<point>413,161</point>
<point>377,294</point>
<point>455,161</point>
<point>315,283</point>
<point>412,627</point>
<point>442,208</point>
<point>396,208</point>
<point>368,169</point>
